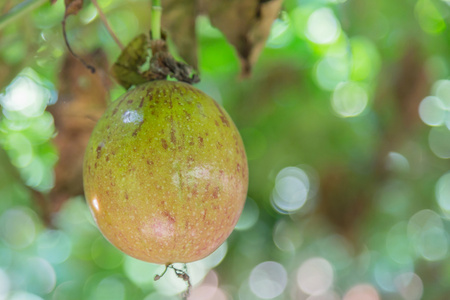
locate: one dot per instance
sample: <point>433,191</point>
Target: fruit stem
<point>156,19</point>
<point>158,277</point>
<point>18,11</point>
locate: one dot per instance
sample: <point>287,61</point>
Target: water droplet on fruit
<point>132,116</point>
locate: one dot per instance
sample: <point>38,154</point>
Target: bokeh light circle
<point>432,111</point>
<point>427,234</point>
<point>349,99</point>
<point>42,275</point>
<point>5,285</point>
<point>208,289</point>
<point>439,140</point>
<point>362,291</point>
<point>26,95</point>
<point>441,89</point>
<point>409,285</point>
<point>141,273</point>
<point>322,26</point>
<point>442,192</point>
<point>268,280</point>
<point>158,296</point>
<point>315,276</point>
<point>109,288</point>
<point>17,228</point>
<point>291,190</point>
<point>332,70</point>
<point>396,162</point>
<point>105,255</point>
<point>398,245</point>
<point>249,216</point>
<point>330,295</point>
<point>215,258</point>
<point>54,246</point>
<point>68,290</point>
<point>24,296</point>
<point>286,236</point>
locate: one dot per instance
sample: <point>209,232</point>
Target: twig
<point>183,274</point>
<point>105,22</point>
<point>19,10</point>
<point>91,68</point>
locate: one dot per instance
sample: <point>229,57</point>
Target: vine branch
<point>105,22</point>
<point>91,68</point>
<point>19,10</point>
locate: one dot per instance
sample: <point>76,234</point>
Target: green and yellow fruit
<point>165,173</point>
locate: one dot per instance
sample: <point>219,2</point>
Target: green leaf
<point>126,69</point>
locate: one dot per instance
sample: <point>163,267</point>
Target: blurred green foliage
<point>346,122</point>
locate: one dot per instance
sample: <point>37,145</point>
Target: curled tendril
<point>183,274</point>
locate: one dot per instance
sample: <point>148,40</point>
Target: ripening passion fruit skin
<point>165,173</point>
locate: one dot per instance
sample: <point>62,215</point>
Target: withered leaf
<point>245,23</point>
<point>82,99</point>
<point>72,7</point>
<point>162,65</point>
<point>178,19</point>
<point>250,25</point>
<point>126,68</point>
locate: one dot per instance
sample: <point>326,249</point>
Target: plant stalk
<point>19,10</point>
<point>156,19</point>
<point>107,26</point>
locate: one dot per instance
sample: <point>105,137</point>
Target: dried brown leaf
<point>72,7</point>
<point>179,20</point>
<point>82,100</point>
<point>127,68</point>
<point>245,23</point>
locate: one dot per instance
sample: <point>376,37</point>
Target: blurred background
<point>346,123</point>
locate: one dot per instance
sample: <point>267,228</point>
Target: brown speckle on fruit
<point>99,149</point>
<point>173,138</point>
<point>135,132</point>
<point>164,144</point>
<point>216,193</point>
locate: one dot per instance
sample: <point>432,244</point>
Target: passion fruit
<point>165,173</point>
